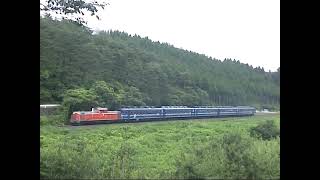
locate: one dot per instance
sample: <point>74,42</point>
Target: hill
<point>114,69</point>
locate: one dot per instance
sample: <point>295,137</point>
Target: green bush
<point>51,120</point>
<point>266,130</point>
<point>69,161</point>
<point>237,152</point>
<point>227,157</point>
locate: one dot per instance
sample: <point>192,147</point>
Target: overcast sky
<point>245,30</point>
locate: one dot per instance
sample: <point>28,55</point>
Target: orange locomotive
<point>96,115</point>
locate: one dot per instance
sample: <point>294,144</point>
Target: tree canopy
<point>76,8</point>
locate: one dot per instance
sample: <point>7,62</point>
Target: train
<point>103,115</point>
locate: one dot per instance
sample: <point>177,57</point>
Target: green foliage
<point>266,130</point>
<point>51,120</point>
<point>75,7</point>
<point>192,149</point>
<point>133,97</point>
<point>227,157</point>
<point>102,94</point>
<point>123,162</point>
<point>77,100</point>
<point>237,153</point>
<point>107,96</point>
<point>138,71</point>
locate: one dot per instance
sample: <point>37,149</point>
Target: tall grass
<point>206,149</point>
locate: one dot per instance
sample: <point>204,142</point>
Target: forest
<point>81,68</point>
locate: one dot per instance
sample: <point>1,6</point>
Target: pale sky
<point>245,30</point>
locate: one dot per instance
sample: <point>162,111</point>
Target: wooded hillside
<point>114,69</point>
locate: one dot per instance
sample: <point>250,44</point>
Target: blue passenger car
<point>130,114</point>
<point>166,112</point>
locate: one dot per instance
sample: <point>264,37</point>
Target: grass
<point>158,150</point>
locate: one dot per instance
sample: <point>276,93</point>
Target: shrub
<point>237,152</point>
<point>266,130</point>
<point>51,120</point>
<point>228,157</point>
